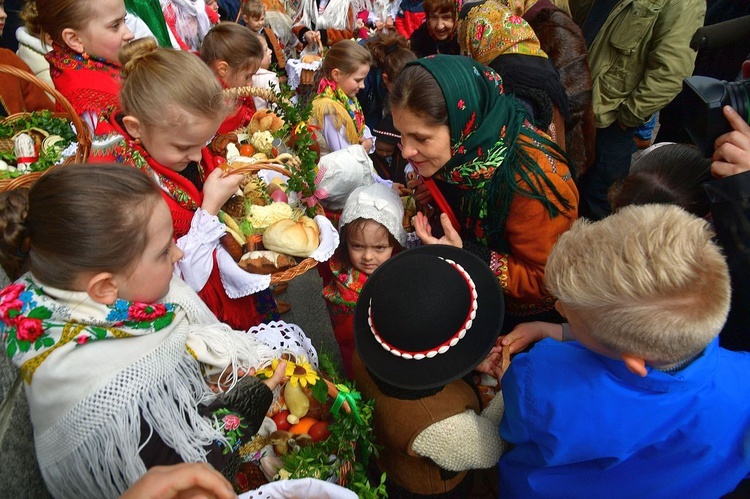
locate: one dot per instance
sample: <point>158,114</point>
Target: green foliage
<point>351,441</point>
<point>301,141</point>
<point>44,121</point>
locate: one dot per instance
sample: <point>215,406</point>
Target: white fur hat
<point>342,171</point>
<point>376,202</point>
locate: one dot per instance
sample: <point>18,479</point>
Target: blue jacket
<point>584,426</point>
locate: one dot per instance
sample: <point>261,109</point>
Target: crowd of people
<point>618,286</point>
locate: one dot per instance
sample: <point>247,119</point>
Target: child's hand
<point>493,363</point>
<point>401,189</point>
<point>278,376</point>
<point>312,37</point>
<point>527,333</point>
<point>219,383</point>
<point>218,188</point>
<point>367,144</point>
<point>360,24</point>
<point>424,231</point>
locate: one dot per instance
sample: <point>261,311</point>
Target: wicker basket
<point>307,263</point>
<point>82,131</point>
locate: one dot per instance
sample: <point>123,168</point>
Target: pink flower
<point>231,422</point>
<point>461,104</point>
<point>146,311</point>
<point>82,340</point>
<point>515,19</point>
<point>28,329</point>
<point>9,300</point>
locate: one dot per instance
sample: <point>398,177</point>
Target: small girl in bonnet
<point>371,228</point>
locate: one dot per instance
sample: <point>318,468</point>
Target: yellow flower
<point>301,372</point>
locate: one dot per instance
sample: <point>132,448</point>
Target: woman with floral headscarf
<point>504,188</point>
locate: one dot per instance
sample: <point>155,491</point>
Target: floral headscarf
<point>485,126</point>
<point>489,29</point>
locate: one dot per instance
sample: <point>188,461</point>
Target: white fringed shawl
<point>87,401</point>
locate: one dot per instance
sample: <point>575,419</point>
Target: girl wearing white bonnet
<point>372,230</point>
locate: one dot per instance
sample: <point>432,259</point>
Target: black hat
<point>428,316</point>
<point>386,132</point>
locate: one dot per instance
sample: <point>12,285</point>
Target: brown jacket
<point>398,422</point>
<point>17,95</point>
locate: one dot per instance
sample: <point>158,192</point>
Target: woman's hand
<point>424,231</point>
<point>527,333</point>
<point>732,150</point>
<point>218,188</point>
<point>186,480</point>
<point>400,189</point>
<point>312,37</point>
<point>419,190</point>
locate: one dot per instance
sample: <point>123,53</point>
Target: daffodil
<point>269,370</point>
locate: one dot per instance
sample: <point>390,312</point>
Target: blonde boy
<point>644,398</point>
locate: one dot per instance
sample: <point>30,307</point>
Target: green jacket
<point>640,56</point>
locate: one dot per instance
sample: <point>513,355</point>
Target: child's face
<point>352,83</point>
<point>266,62</point>
<point>384,149</point>
<point>241,77</point>
<point>369,248</point>
<point>441,25</point>
<point>174,146</point>
<point>105,32</point>
<point>255,24</point>
<point>213,5</point>
<point>149,280</point>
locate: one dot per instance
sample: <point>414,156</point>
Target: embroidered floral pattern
<point>22,321</point>
<point>231,425</point>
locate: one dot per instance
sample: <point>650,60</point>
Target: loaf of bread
<point>265,262</point>
<point>310,58</point>
<point>299,238</point>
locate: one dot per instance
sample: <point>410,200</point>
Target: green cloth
<point>485,125</point>
<point>150,12</point>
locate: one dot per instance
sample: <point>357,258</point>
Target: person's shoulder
<point>571,356</point>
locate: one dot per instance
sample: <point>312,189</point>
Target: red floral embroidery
<point>146,312</point>
<point>28,329</point>
<point>82,340</point>
<point>461,104</point>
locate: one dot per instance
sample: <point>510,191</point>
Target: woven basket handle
<point>263,93</point>
<point>82,131</point>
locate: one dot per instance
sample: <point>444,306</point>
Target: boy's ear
<point>71,39</point>
<point>102,288</point>
<point>133,126</point>
<point>221,68</point>
<point>635,364</point>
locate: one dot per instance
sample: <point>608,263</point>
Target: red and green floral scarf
<point>329,88</point>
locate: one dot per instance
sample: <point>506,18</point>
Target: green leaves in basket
<point>38,119</point>
<point>43,120</point>
<point>320,391</point>
<point>302,144</point>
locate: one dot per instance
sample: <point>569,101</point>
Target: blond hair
<point>647,281</point>
<point>160,83</point>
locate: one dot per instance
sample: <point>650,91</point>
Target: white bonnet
<point>376,202</point>
<point>340,172</point>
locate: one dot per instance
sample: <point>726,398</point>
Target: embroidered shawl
<point>344,110</point>
<point>91,84</point>
<point>92,372</point>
